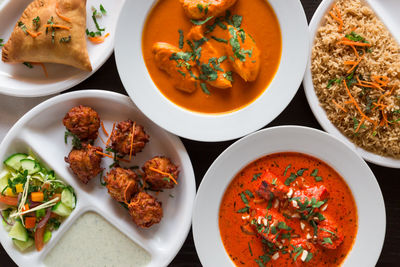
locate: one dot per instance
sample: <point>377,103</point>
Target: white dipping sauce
<point>93,241</point>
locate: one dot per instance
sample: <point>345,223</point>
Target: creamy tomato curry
<point>288,209</point>
<point>212,56</point>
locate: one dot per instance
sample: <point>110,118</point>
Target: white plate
<point>210,127</point>
<point>42,130</point>
<point>387,12</point>
<point>18,80</point>
<point>356,173</point>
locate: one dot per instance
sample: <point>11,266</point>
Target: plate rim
<point>211,127</point>
<point>60,86</point>
<point>320,113</point>
<point>88,93</point>
<point>197,236</point>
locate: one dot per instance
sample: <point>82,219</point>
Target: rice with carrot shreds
<point>355,70</point>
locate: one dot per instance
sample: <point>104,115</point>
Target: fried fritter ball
<point>82,121</point>
<point>121,138</point>
<point>158,180</point>
<point>145,210</point>
<point>121,184</point>
<point>85,162</point>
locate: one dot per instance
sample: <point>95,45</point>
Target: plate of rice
<point>352,82</point>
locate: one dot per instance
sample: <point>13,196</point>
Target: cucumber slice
<point>4,175</point>
<point>18,232</point>
<point>68,198</point>
<point>61,209</point>
<point>23,245</point>
<point>13,161</point>
<point>30,165</point>
<point>46,236</point>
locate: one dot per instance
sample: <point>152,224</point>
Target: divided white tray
<point>42,130</point>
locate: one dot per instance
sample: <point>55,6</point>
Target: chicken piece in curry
<point>199,9</point>
<point>210,51</point>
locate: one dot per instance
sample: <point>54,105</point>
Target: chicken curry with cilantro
<point>288,209</point>
<point>212,56</point>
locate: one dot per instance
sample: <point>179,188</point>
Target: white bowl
<point>356,173</point>
<point>211,127</point>
<point>387,11</point>
<point>18,80</point>
<point>41,130</point>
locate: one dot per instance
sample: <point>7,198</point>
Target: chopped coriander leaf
<point>200,7</point>
<point>1,42</point>
<point>95,21</point>
<point>204,88</point>
<point>286,169</point>
<point>259,262</point>
<point>181,41</point>
<point>274,181</point>
<point>22,26</point>
<point>327,240</point>
<point>355,37</point>
<point>283,226</point>
<point>228,75</point>
<point>298,253</point>
<point>291,179</point>
<point>249,193</point>
<point>206,8</point>
<point>318,178</point>
<point>243,210</point>
<point>309,257</point>
<point>201,22</point>
<point>103,11</point>
<point>76,142</point>
<point>237,21</point>
<point>251,252</point>
<point>29,65</point>
<point>36,23</point>
<point>256,176</point>
<point>182,73</point>
<point>171,196</point>
<point>314,172</point>
<point>301,171</point>
<point>244,198</point>
<point>65,39</point>
<point>219,39</point>
<point>326,230</point>
<point>102,182</point>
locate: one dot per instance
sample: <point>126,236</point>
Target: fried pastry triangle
<point>51,31</point>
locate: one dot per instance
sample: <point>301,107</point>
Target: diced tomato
<point>12,201</point>
<point>30,222</point>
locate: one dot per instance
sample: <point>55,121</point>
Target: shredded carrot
<point>109,138</point>
<point>101,138</point>
<point>391,90</point>
<point>348,42</point>
<point>350,62</point>
<point>339,106</point>
<point>359,124</point>
<point>98,39</point>
<point>356,64</point>
<point>355,50</point>
<point>34,35</point>
<point>382,80</point>
<point>132,138</point>
<point>104,128</point>
<point>164,173</point>
<point>111,157</point>
<point>57,26</point>
<point>355,103</point>
<point>60,15</point>
<point>337,17</point>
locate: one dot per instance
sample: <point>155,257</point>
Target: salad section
<point>34,201</point>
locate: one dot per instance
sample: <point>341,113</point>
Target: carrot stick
<point>34,35</point>
<point>164,173</point>
<point>98,39</point>
<point>355,103</point>
<point>104,129</point>
<point>339,106</point>
<point>132,138</point>
<point>43,67</point>
<point>109,138</point>
<point>355,65</point>
<point>359,125</point>
<point>355,50</point>
<point>60,15</point>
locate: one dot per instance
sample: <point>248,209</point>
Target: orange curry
<point>213,82</point>
<point>288,209</point>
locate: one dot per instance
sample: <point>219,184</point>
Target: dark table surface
<point>203,154</point>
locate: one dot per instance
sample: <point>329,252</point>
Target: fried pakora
<point>122,184</point>
<point>82,121</point>
<point>158,172</point>
<point>85,162</point>
<point>145,210</point>
<point>124,143</point>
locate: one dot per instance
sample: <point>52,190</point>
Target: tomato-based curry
<point>288,209</point>
<point>167,24</point>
